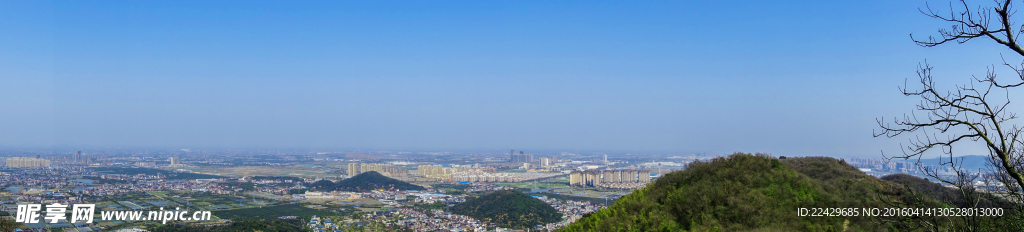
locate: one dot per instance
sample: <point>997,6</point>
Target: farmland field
<point>270,212</point>
<point>171,175</point>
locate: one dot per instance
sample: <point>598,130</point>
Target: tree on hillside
<point>974,113</point>
<point>8,225</point>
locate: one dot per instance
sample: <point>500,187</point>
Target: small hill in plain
<point>508,208</point>
<point>366,181</point>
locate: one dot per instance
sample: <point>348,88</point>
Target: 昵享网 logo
<point>54,213</point>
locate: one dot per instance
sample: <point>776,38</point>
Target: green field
<point>171,175</point>
<point>270,212</point>
<point>159,194</point>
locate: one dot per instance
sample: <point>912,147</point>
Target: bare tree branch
<point>967,114</point>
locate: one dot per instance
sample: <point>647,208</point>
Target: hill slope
<point>363,182</point>
<point>508,208</point>
<point>746,192</point>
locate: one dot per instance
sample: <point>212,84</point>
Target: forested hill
<point>508,208</point>
<point>363,182</point>
<point>746,192</point>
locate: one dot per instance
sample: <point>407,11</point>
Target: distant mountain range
<point>363,182</point>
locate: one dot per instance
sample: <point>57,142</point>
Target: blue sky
<point>783,77</point>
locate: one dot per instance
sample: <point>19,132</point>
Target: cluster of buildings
<point>521,158</point>
<point>322,225</point>
<point>610,178</point>
<point>479,187</point>
<point>546,162</point>
<point>175,162</point>
<point>480,176</point>
<point>879,168</point>
<point>61,177</point>
<point>26,162</point>
<point>527,159</point>
<point>477,176</point>
<point>435,171</point>
<point>383,169</point>
<point>444,173</point>
<point>78,158</point>
<point>431,198</point>
<point>440,221</point>
<point>42,177</point>
<point>177,185</point>
<point>329,195</point>
<point>570,210</point>
<point>37,162</point>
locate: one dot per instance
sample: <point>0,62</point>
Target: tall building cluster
<point>26,162</point>
<point>383,169</point>
<point>353,169</point>
<point>75,158</point>
<point>897,166</point>
<point>175,162</point>
<point>435,171</point>
<point>609,178</point>
<point>521,158</point>
<point>481,176</point>
<point>545,162</point>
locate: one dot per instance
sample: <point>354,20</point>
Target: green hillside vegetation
<point>508,208</point>
<point>745,192</point>
<point>8,224</point>
<point>363,182</point>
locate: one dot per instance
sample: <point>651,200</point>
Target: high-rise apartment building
<point>26,162</point>
<point>545,162</point>
<point>435,171</point>
<point>608,177</point>
<point>353,169</point>
<point>383,169</point>
<point>522,158</point>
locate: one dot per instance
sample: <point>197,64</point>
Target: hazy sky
<point>784,77</point>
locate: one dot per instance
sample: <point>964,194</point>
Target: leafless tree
<point>971,113</point>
